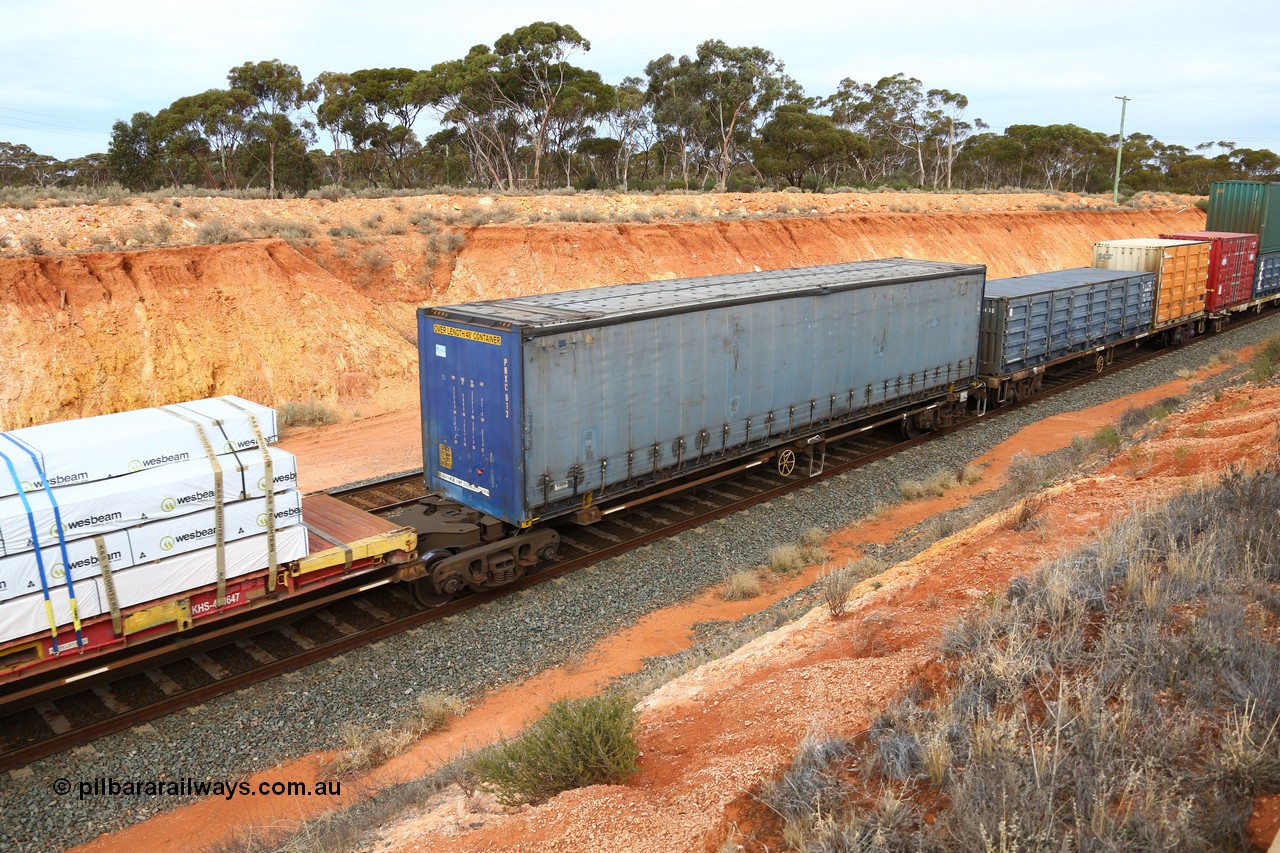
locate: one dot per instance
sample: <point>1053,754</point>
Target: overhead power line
<point>29,129</point>
<point>47,115</point>
<point>35,124</point>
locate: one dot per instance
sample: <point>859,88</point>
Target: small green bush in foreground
<point>578,742</point>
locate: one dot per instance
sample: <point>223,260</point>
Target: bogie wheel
<point>425,594</point>
<point>424,589</point>
<point>787,462</point>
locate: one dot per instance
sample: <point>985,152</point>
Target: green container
<point>1247,207</point>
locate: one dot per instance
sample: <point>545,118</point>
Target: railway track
<point>37,720</point>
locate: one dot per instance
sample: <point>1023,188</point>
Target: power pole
<point>1124,102</point>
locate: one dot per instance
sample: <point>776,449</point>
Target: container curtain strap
<point>109,585</point>
<point>218,500</point>
<point>35,542</point>
<point>269,487</point>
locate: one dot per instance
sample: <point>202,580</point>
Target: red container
<point>1232,258</point>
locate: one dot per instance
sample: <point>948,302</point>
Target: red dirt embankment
<point>333,320</point>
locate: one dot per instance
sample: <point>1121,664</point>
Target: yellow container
<point>1181,268</point>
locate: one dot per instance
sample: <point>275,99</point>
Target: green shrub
<point>578,742</point>
<point>1108,438</point>
<point>375,258</point>
<point>285,229</point>
<point>216,232</point>
<point>585,214</point>
<point>454,241</point>
<point>113,194</point>
<point>329,192</point>
<point>345,230</point>
<point>1263,366</point>
<point>23,198</point>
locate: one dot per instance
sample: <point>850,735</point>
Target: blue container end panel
<point>471,414</point>
<point>1266,276</point>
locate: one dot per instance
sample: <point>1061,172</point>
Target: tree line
<point>519,114</point>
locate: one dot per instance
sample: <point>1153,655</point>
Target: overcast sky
<point>1196,71</point>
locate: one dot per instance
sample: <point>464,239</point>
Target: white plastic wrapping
<point>25,616</point>
<point>90,449</point>
<point>156,540</point>
<point>93,508</point>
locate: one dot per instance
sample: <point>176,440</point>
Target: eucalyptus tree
<point>1255,164</point>
<point>1062,156</point>
<point>91,170</point>
<point>536,78</point>
<point>209,128</point>
<point>392,100</point>
<point>20,165</point>
<point>630,118</point>
<point>1140,167</point>
<point>712,103</point>
<point>989,160</point>
<point>580,107</point>
<point>796,143</point>
<point>947,128</point>
<point>1195,172</point>
<point>465,94</point>
<point>676,89</point>
<point>278,93</point>
<point>338,109</point>
<point>522,91</point>
<point>134,152</point>
<point>910,128</point>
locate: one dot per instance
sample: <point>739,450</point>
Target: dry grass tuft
<point>742,585</point>
<point>363,749</point>
<point>786,559</point>
<point>836,585</point>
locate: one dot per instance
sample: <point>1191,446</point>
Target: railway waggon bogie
<point>461,549</point>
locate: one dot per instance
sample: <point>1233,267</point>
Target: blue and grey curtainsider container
<point>1034,321</point>
<point>542,405</point>
<point>1266,276</point>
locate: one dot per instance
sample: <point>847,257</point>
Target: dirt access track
<point>329,314</point>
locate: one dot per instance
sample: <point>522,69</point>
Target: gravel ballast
<point>502,641</point>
